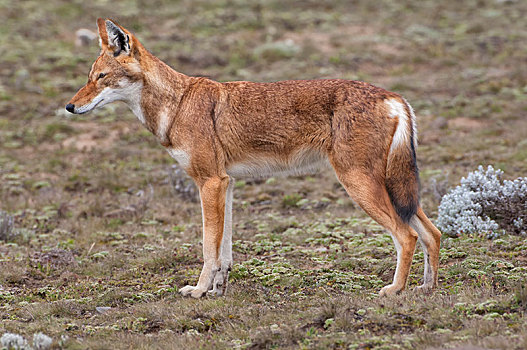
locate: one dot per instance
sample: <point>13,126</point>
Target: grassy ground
<point>100,224</point>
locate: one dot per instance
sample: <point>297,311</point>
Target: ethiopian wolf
<point>221,131</point>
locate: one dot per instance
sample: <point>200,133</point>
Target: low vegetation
<point>98,229</point>
<point>485,203</point>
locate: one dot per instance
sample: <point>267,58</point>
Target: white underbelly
<point>303,163</point>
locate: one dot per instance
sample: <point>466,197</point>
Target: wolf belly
<point>304,162</point>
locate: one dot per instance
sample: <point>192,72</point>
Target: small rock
<point>102,309</point>
<point>275,329</point>
<point>83,37</point>
<point>22,78</point>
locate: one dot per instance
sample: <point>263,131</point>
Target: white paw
<point>193,291</point>
<point>390,290</point>
<point>219,286</point>
<point>426,288</point>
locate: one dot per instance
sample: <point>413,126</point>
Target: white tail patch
<point>402,133</point>
<point>414,122</point>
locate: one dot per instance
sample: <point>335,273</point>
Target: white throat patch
<point>132,94</point>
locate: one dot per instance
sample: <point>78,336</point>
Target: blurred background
<point>96,195</point>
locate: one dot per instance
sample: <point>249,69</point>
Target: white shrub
<point>41,341</point>
<point>13,341</point>
<point>483,203</point>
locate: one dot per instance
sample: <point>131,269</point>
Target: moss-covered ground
<point>104,240</point>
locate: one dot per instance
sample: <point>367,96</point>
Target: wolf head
<point>116,75</point>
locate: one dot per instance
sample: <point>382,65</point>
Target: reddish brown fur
<point>223,124</point>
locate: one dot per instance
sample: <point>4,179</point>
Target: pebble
<point>84,36</point>
<point>102,309</point>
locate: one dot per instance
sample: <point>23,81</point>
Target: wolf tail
<point>402,174</point>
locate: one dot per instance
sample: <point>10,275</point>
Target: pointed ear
<point>116,39</point>
<point>103,36</point>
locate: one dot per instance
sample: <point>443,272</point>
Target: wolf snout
<point>70,108</point>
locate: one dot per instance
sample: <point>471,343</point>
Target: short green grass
<point>100,226</point>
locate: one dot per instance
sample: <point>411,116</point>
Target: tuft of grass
<point>291,200</point>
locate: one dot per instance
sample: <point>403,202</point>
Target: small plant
<point>485,203</point>
<point>7,231</point>
<point>41,341</point>
<point>11,341</point>
<point>291,200</point>
<point>182,184</point>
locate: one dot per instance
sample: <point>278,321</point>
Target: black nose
<point>70,107</point>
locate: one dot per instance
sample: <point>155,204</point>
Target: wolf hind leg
<point>430,239</point>
<point>373,198</point>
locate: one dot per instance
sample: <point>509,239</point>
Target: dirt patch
<point>56,258</point>
<point>94,136</point>
<point>327,42</point>
<point>465,124</point>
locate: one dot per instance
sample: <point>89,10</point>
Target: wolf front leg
<point>212,192</point>
<point>222,276</point>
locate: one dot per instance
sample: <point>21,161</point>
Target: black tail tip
<point>406,212</point>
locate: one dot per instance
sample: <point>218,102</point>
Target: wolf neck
<point>160,94</point>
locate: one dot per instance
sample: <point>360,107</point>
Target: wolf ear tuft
<point>117,39</point>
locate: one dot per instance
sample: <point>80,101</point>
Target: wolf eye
<point>101,75</point>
